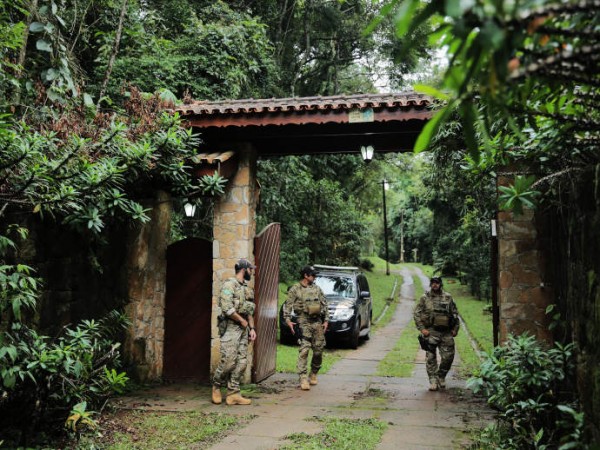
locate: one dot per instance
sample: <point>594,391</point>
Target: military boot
<point>433,386</point>
<point>313,379</point>
<point>441,382</point>
<point>217,398</point>
<point>304,384</point>
<point>237,399</point>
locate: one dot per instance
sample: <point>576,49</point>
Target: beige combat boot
<point>441,382</point>
<point>313,379</point>
<point>304,384</point>
<point>237,399</point>
<point>217,398</point>
<point>433,386</point>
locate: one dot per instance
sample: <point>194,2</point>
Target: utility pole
<point>401,235</point>
<point>385,233</point>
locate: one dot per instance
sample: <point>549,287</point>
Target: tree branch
<point>114,52</point>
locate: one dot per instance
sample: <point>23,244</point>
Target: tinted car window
<point>336,286</point>
<point>364,285</point>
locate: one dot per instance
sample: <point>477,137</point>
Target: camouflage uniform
<point>310,306</point>
<point>234,340</point>
<point>438,314</point>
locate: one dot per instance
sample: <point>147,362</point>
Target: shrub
<point>366,264</point>
<point>44,379</point>
<point>528,383</point>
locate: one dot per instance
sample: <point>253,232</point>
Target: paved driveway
<point>417,418</point>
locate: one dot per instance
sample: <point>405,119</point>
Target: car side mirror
<point>365,294</point>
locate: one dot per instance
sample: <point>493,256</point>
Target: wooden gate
<point>266,252</point>
<point>188,308</point>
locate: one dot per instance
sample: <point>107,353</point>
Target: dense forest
<point>94,59</point>
<point>84,136</point>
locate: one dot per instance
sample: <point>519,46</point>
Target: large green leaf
<point>431,128</point>
<point>43,45</point>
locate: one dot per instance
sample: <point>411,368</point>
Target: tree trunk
<point>23,52</point>
<point>114,52</point>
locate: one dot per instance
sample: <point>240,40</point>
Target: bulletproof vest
<point>238,295</point>
<point>308,302</point>
<point>441,317</point>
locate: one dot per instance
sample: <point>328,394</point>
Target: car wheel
<point>368,335</point>
<point>355,333</point>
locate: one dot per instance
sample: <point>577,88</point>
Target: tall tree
<point>317,41</point>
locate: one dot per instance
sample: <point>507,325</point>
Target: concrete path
<point>416,417</point>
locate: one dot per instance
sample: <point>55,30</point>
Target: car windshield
<point>336,285</point>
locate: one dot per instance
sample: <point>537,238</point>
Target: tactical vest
<point>307,303</point>
<point>440,315</point>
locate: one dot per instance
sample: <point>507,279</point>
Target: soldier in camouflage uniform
<point>436,317</point>
<point>307,300</point>
<point>236,327</point>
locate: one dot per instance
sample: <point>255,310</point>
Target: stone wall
<point>524,292</point>
<point>573,237</point>
<point>552,257</point>
<point>82,276</point>
<point>146,269</point>
<point>234,232</point>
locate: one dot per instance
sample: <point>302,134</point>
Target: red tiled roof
<point>297,104</point>
<point>301,125</point>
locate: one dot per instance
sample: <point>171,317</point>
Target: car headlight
<point>342,312</point>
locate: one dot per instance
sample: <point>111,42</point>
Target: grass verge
<point>479,326</point>
<point>160,430</point>
<point>475,313</point>
<point>340,434</point>
<point>400,361</point>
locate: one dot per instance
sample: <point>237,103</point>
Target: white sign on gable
<point>360,115</point>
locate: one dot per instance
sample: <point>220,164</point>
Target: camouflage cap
<point>436,280</point>
<point>308,270</point>
<point>243,263</point>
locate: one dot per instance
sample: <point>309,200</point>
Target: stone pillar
<point>146,287</point>
<point>523,289</point>
<point>234,231</point>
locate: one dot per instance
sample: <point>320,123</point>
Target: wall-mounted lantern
<point>190,209</point>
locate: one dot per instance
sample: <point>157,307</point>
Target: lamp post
<point>384,186</point>
<point>401,235</point>
<point>494,278</point>
<point>366,151</point>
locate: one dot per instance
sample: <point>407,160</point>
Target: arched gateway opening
<point>235,133</point>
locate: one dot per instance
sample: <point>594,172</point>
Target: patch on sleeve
<point>227,292</point>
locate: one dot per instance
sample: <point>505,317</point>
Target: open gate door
<point>266,288</point>
<point>188,309</point>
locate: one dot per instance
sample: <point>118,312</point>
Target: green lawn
<point>339,433</point>
<point>381,286</point>
<point>475,313</point>
<point>478,321</point>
